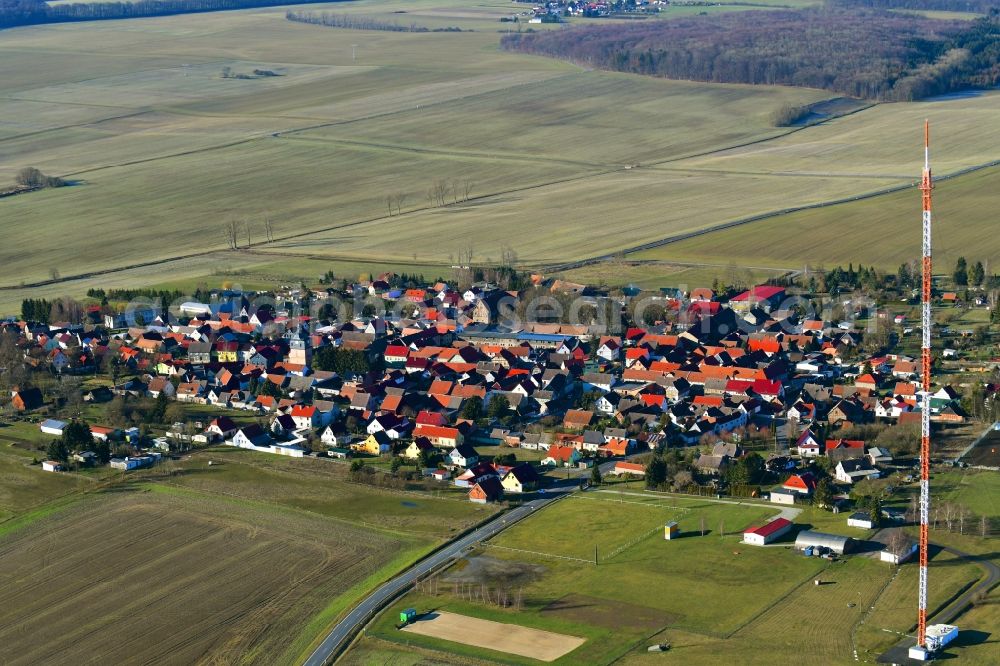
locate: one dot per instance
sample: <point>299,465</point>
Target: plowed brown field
<point>144,577</point>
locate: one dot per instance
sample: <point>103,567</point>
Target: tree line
<point>354,22</point>
<point>862,53</point>
<point>15,13</point>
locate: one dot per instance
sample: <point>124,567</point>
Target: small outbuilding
<point>52,466</point>
<point>823,541</point>
<point>860,519</point>
<point>671,530</point>
<point>783,497</point>
<point>765,534</point>
<point>52,427</point>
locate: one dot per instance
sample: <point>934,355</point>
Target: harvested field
<point>606,613</point>
<point>146,576</point>
<point>987,453</point>
<point>510,638</point>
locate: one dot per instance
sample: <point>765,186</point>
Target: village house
<point>417,446</point>
<point>853,470</point>
<point>521,479</point>
<point>561,456</point>
<point>486,490</point>
<point>441,436</point>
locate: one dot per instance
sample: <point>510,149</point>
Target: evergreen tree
<point>978,274</point>
<point>656,472</point>
<point>595,474</point>
<point>498,407</point>
<point>57,451</point>
<point>472,409</point>
<point>961,274</point>
<point>823,497</point>
<point>77,436</point>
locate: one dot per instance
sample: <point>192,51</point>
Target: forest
<point>32,12</point>
<point>867,54</point>
<point>973,6</point>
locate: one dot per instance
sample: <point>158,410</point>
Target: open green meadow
<point>163,151</point>
<point>711,585</point>
<point>712,599</point>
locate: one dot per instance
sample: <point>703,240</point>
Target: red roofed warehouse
<point>759,536</point>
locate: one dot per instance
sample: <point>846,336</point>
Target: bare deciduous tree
<point>231,230</point>
<point>268,228</point>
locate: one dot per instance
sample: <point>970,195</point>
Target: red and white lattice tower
<point>926,184</point>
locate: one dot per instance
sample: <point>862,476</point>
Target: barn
<point>765,534</point>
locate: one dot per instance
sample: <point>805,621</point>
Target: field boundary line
<point>535,552</point>
<point>625,546</point>
<point>624,501</point>
<point>868,611</point>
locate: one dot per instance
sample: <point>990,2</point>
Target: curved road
<point>361,614</point>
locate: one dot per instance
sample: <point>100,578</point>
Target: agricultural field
<point>320,541</point>
<point>320,487</point>
<point>160,146</point>
<point>137,575</point>
<point>829,236</point>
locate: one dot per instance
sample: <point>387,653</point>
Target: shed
<point>671,530</point>
<point>834,542</point>
<point>782,497</point>
<point>52,427</point>
<point>860,519</point>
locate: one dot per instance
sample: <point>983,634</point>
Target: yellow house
<point>412,452</point>
<point>520,479</point>
<point>227,352</point>
<point>376,444</point>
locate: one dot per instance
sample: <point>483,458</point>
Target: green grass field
<point>709,585</point>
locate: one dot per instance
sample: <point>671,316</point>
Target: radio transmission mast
<point>926,185</point>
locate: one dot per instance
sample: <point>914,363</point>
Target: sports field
<point>712,599</point>
<point>540,645</point>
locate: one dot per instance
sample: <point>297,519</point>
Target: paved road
<point>354,621</point>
